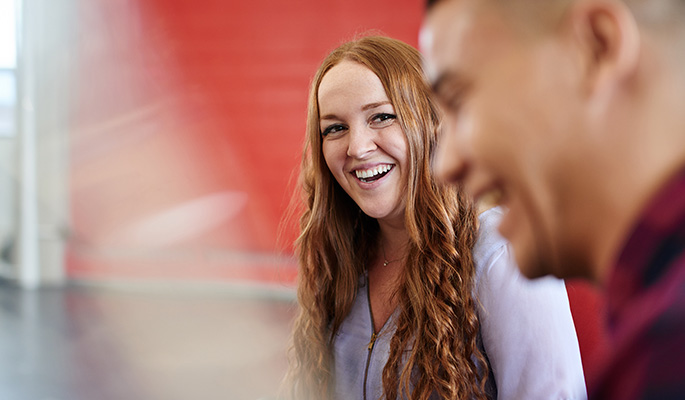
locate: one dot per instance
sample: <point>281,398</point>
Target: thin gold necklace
<point>385,258</point>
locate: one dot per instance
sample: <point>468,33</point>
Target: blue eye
<point>332,129</point>
<point>383,119</point>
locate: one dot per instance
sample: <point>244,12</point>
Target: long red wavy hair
<point>434,348</point>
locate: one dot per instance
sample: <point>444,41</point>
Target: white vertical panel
<point>43,71</point>
<point>28,246</point>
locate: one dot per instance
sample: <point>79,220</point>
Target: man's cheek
<point>447,156</point>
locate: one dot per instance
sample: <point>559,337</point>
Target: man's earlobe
<point>610,41</point>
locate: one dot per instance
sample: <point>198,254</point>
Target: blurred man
<point>571,113</point>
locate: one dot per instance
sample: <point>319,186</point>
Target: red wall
<point>188,126</point>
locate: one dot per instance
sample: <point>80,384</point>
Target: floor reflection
<point>79,343</point>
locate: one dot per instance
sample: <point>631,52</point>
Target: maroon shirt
<point>646,305</point>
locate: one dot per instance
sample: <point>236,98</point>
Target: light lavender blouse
<point>527,332</point>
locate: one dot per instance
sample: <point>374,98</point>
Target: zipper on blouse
<point>373,338</point>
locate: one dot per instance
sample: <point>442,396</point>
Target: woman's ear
<point>609,41</point>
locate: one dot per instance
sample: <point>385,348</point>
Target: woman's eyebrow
<point>365,107</point>
<point>329,116</point>
<point>375,105</point>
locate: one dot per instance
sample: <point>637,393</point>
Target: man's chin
<point>532,267</point>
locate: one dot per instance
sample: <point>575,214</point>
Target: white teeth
<point>368,173</point>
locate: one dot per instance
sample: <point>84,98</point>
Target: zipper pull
<point>373,340</point>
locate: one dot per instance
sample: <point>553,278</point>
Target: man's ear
<point>609,41</point>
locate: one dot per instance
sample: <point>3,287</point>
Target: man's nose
<point>362,141</point>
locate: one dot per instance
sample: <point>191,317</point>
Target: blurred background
<point>148,154</point>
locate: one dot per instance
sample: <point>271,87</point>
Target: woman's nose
<point>362,141</point>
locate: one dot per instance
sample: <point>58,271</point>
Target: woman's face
<point>363,143</point>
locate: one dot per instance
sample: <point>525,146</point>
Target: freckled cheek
<point>334,156</point>
<point>399,145</point>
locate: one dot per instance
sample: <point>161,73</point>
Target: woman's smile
<point>373,174</point>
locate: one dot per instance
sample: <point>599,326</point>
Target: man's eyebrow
<point>448,83</point>
<point>440,82</point>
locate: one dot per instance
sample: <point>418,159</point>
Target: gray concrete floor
<point>85,343</point>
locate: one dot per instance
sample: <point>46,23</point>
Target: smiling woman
<point>404,291</point>
<point>364,146</point>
